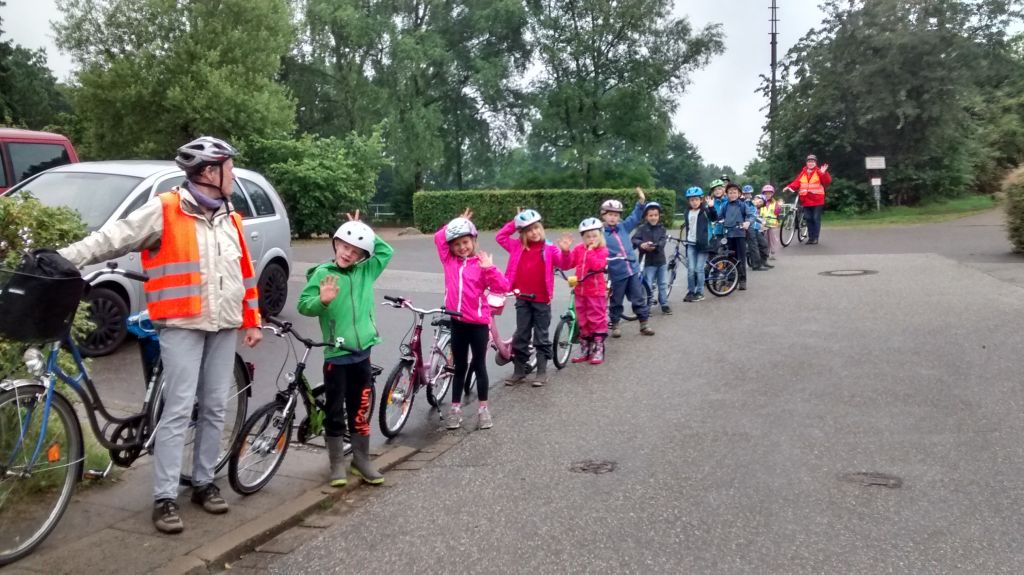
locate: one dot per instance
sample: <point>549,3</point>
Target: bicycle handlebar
<point>399,302</point>
<point>112,268</point>
<point>282,328</point>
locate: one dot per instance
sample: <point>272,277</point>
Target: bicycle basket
<point>497,303</point>
<point>39,299</point>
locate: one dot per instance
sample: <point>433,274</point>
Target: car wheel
<point>109,312</point>
<point>273,288</point>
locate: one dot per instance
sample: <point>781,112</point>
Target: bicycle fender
<point>9,384</point>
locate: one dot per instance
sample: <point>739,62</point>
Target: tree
<point>678,165</point>
<point>155,74</point>
<point>29,96</point>
<point>610,72</point>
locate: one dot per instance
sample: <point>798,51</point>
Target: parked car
<point>24,153</point>
<point>104,192</point>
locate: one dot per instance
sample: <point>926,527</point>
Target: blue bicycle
<point>42,449</point>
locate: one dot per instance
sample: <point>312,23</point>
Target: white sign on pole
<point>874,162</point>
<point>876,181</point>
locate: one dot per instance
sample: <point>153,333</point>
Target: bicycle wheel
<point>260,448</point>
<point>722,276</point>
<point>562,344</point>
<point>234,418</point>
<point>788,230</point>
<point>442,369</point>
<point>35,493</point>
<point>801,230</point>
<point>672,272</point>
<point>397,398</point>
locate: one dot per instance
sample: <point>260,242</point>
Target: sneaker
<point>453,420</point>
<point>645,329</point>
<point>688,297</point>
<point>208,497</point>
<point>614,329</point>
<point>666,310</point>
<point>485,421</point>
<point>166,518</point>
<point>698,297</point>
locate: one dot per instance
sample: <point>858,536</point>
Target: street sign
<point>876,181</point>
<point>874,163</point>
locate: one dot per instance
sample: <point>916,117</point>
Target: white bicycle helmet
<point>458,228</point>
<point>590,224</point>
<point>357,234</point>
<point>611,206</point>
<point>204,151</point>
<point>526,218</point>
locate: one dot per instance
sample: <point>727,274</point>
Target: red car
<point>24,153</point>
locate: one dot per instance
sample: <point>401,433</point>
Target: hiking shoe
<point>698,297</point>
<point>166,518</point>
<point>517,377</point>
<point>208,497</point>
<point>768,266</point>
<point>666,310</point>
<point>453,419</point>
<point>614,329</point>
<point>645,329</point>
<point>485,421</point>
<point>688,297</point>
<point>759,269</point>
<point>743,286</point>
<point>541,377</point>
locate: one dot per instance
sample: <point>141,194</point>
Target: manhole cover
<point>595,466</point>
<point>848,273</point>
<point>872,479</point>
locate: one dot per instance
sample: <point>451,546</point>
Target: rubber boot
<point>518,375</point>
<point>585,350</point>
<point>361,465</point>
<point>336,454</point>
<point>540,377</point>
<point>597,353</point>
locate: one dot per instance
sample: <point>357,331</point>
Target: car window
<point>139,201</point>
<point>28,160</point>
<point>3,169</point>
<point>239,202</point>
<point>166,184</point>
<point>260,199</point>
<point>93,196</point>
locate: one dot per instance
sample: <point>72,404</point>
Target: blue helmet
<point>748,189</point>
<point>695,192</point>
<point>652,206</point>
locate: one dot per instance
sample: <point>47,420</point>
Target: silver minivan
<point>102,192</point>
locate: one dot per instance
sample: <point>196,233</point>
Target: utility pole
<point>773,91</point>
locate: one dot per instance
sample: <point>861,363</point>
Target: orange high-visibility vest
<point>811,184</point>
<point>174,288</point>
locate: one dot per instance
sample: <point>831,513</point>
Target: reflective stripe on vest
<point>811,184</point>
<point>174,286</point>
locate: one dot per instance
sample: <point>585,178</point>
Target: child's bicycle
<point>503,352</point>
<point>568,331</point>
<point>263,442</point>
<point>721,276</point>
<point>42,450</point>
<point>412,373</point>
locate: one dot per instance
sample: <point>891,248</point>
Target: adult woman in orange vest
<point>201,290</point>
<point>810,184</point>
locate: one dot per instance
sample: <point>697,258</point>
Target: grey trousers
<point>196,364</point>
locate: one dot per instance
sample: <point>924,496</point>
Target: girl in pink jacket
<point>531,270</point>
<point>591,257</point>
<point>468,274</point>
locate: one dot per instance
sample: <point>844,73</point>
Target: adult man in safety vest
<point>201,290</point>
<point>810,184</point>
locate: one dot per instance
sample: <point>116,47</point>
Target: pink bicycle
<point>502,347</point>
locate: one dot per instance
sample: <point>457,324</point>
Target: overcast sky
<point>720,111</point>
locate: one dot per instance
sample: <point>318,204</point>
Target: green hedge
<point>492,208</point>
<point>1015,213</point>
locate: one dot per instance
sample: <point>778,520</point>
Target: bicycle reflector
<point>53,453</point>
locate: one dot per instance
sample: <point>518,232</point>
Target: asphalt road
<point>732,433</point>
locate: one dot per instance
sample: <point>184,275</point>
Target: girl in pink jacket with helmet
<point>468,274</point>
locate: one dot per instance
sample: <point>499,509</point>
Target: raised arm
<point>382,254</point>
<point>443,251</point>
<point>504,237</point>
<point>634,218</point>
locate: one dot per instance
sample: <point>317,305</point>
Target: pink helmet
<point>768,189</point>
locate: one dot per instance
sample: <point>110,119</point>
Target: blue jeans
<point>696,259</point>
<point>632,288</point>
<point>813,217</point>
<point>655,276</point>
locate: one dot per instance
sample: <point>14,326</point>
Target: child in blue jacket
<point>736,220</point>
<point>623,267</point>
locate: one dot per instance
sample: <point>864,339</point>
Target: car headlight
<point>35,361</point>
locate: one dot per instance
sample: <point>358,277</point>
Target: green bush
<point>850,196</point>
<point>560,208</point>
<point>1015,213</point>
<point>319,179</point>
<point>25,224</point>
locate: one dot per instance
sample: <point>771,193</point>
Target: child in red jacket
<point>591,292</point>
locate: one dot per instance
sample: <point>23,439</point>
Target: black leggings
<point>739,247</point>
<point>467,336</point>
<point>347,388</point>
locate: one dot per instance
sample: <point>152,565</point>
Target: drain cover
<point>848,272</point>
<point>595,466</point>
<point>872,479</point>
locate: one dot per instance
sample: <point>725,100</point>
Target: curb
<point>247,536</point>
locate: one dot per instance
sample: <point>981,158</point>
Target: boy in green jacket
<point>340,294</point>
